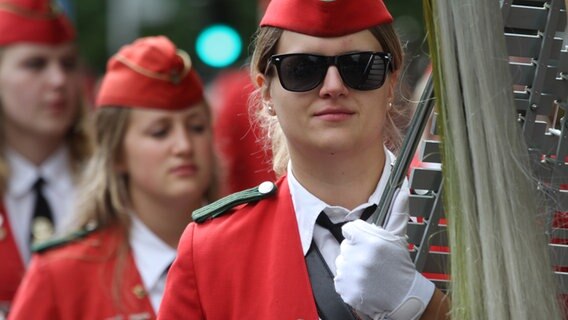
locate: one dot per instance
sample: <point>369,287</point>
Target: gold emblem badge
<point>176,76</point>
<point>139,291</point>
<point>42,230</point>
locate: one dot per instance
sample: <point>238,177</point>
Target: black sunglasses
<point>300,72</point>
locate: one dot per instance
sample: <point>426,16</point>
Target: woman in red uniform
<point>326,72</point>
<point>154,164</point>
<point>43,141</point>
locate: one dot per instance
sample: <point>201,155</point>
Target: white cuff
<point>416,300</point>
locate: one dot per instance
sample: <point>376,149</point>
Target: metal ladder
<point>535,33</point>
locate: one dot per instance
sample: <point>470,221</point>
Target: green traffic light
<point>218,45</point>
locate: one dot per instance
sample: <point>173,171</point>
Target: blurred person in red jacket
<point>246,162</point>
<point>153,165</point>
<point>43,139</point>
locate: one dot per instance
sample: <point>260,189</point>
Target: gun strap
<point>329,304</point>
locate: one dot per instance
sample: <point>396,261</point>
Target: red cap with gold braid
<point>325,18</point>
<point>36,21</point>
<point>150,73</point>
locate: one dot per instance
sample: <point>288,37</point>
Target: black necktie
<point>335,228</point>
<point>42,221</point>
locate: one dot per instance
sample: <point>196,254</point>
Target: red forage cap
<point>325,18</point>
<point>36,21</point>
<point>150,73</point>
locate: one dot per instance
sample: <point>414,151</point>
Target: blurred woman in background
<point>43,141</point>
<point>154,164</point>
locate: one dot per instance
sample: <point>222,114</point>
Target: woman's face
<point>331,118</point>
<point>39,89</point>
<point>168,155</point>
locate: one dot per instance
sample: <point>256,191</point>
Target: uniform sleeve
<point>35,298</point>
<point>181,297</point>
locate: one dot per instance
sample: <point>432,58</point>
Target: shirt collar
<point>55,170</point>
<point>307,206</point>
<point>151,255</point>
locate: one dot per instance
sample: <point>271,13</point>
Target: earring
<point>389,106</point>
<point>270,109</point>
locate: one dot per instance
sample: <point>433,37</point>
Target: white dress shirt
<point>308,207</point>
<point>152,257</point>
<point>20,197</point>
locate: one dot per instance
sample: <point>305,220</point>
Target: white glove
<point>398,218</point>
<point>376,276</point>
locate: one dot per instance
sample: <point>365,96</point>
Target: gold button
<point>139,291</point>
<point>2,236</point>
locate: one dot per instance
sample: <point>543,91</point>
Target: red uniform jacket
<point>246,264</point>
<point>79,281</point>
<point>11,264</point>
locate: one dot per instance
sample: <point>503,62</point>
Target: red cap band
<point>150,73</point>
<point>325,18</point>
<point>36,21</point>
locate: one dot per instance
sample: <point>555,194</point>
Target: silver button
<point>266,187</point>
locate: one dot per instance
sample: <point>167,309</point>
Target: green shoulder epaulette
<point>223,205</point>
<point>57,242</point>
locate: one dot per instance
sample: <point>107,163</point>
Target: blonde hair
<point>77,139</point>
<point>102,196</point>
<point>500,264</point>
<point>265,42</point>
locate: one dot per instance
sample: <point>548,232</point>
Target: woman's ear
<point>119,165</point>
<point>262,83</point>
<point>259,79</point>
<point>265,96</point>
